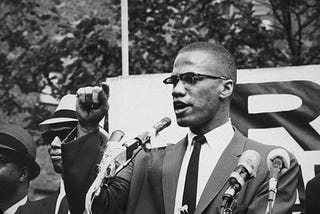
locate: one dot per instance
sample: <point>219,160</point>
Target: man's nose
<point>56,142</point>
<point>178,90</point>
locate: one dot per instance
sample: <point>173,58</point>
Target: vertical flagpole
<point>124,38</point>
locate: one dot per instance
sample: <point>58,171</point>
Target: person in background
<point>191,175</point>
<point>55,130</point>
<point>312,205</point>
<point>17,167</point>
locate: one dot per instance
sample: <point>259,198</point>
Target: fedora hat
<point>16,140</point>
<point>65,112</point>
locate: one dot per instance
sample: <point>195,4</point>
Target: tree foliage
<point>63,45</point>
<point>159,28</point>
<point>60,45</point>
<point>297,27</point>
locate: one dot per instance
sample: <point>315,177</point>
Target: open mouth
<point>179,106</point>
<point>55,157</point>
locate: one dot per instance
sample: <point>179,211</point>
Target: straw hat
<point>65,112</point>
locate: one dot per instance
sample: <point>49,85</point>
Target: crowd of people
<point>190,176</point>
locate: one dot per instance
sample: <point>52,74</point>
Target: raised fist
<point>92,105</point>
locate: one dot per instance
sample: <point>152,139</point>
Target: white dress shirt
<point>62,193</point>
<point>13,208</point>
<point>217,141</point>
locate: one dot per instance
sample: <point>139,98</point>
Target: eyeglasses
<point>189,79</point>
<point>49,136</point>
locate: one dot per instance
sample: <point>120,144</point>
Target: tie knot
<point>199,139</point>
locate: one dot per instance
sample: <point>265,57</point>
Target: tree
<point>296,31</point>
<point>159,28</point>
<point>62,45</point>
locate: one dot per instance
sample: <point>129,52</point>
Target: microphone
<point>115,155</point>
<point>112,154</point>
<point>114,150</point>
<point>246,169</point>
<point>278,161</point>
<point>162,124</point>
<point>144,137</point>
<point>116,136</point>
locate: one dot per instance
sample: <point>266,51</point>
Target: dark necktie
<point>190,186</point>
<point>63,209</point>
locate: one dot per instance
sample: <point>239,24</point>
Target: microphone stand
<point>273,187</point>
<point>229,209</point>
<point>228,204</point>
<point>269,207</point>
<point>272,195</point>
<point>229,201</point>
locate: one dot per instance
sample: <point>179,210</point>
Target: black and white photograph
<point>159,107</point>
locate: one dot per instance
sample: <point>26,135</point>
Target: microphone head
<point>280,154</point>
<point>162,124</point>
<point>250,159</point>
<point>116,136</point>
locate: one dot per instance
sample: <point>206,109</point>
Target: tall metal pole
<point>124,37</point>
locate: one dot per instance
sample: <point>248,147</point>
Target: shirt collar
<point>62,189</point>
<point>13,208</point>
<point>218,137</point>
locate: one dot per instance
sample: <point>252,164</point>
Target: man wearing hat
<point>17,166</point>
<point>55,130</point>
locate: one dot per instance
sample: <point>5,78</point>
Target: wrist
<point>81,130</point>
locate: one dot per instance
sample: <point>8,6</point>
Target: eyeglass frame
<point>195,76</point>
<point>62,133</point>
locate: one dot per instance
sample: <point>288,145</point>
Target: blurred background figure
<point>312,205</point>
<point>55,130</point>
<point>61,126</point>
<point>17,167</point>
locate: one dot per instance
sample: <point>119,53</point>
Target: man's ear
<point>227,89</point>
<point>24,174</point>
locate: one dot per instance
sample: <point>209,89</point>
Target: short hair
<point>221,55</point>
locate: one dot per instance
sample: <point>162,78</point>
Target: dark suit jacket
<point>46,205</point>
<point>27,202</point>
<point>312,205</point>
<point>148,185</point>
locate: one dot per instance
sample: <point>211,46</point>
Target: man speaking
<point>192,175</point>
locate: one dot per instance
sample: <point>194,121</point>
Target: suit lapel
<point>63,207</point>
<point>170,174</point>
<point>222,171</point>
<point>51,201</point>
